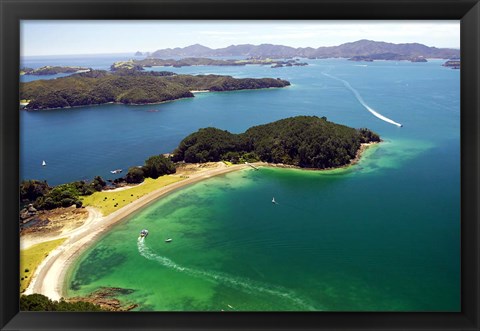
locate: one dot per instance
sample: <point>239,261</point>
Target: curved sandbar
<point>49,279</point>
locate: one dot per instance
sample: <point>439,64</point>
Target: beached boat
<point>143,233</point>
<point>116,171</point>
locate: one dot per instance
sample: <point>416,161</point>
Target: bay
<point>383,235</point>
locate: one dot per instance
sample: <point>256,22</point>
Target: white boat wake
<point>244,284</point>
<point>362,102</point>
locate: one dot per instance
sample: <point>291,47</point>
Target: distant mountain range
<point>360,48</point>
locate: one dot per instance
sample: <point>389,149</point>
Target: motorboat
<point>144,233</point>
<point>168,240</point>
<point>116,171</point>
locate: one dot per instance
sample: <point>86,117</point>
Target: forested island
<point>130,87</point>
<point>52,70</point>
<point>302,141</point>
<point>198,61</point>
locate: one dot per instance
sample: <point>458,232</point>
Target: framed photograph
<point>239,165</point>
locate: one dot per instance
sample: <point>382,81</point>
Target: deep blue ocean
<point>382,235</point>
<point>81,143</point>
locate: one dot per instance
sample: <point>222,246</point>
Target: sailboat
<point>44,163</point>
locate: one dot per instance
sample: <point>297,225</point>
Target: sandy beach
<point>199,91</point>
<point>358,155</point>
<point>49,278</point>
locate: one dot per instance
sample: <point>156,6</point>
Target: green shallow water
<point>341,240</point>
<point>383,235</point>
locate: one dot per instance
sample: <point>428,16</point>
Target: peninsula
<point>97,87</point>
<point>303,141</point>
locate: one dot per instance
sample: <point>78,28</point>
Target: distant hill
<point>347,50</point>
<point>200,61</point>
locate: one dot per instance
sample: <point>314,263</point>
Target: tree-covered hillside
<point>129,87</point>
<point>303,141</point>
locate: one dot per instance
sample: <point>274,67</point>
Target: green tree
<point>39,302</point>
<point>135,175</point>
<point>157,166</point>
<point>98,183</point>
<point>36,302</point>
<point>83,188</point>
<point>63,195</point>
<point>32,189</point>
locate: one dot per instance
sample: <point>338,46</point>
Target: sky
<point>48,37</point>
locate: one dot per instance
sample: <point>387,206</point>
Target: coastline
<point>49,278</point>
<point>153,103</point>
<point>111,103</point>
<point>363,148</point>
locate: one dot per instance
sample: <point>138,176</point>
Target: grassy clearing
<point>108,202</point>
<point>30,259</point>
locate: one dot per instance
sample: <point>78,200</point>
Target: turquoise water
<point>383,235</point>
<point>90,141</point>
<point>336,241</point>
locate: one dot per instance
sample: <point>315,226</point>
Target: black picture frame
<point>12,11</point>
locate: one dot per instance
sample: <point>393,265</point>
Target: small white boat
<point>273,201</point>
<point>168,240</point>
<point>44,163</point>
<point>116,171</point>
<point>144,233</point>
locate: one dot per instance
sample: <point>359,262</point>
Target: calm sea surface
<point>383,235</point>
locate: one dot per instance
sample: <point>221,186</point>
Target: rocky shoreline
<point>105,298</point>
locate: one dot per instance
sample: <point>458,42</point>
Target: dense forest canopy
<point>129,87</point>
<point>303,141</point>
